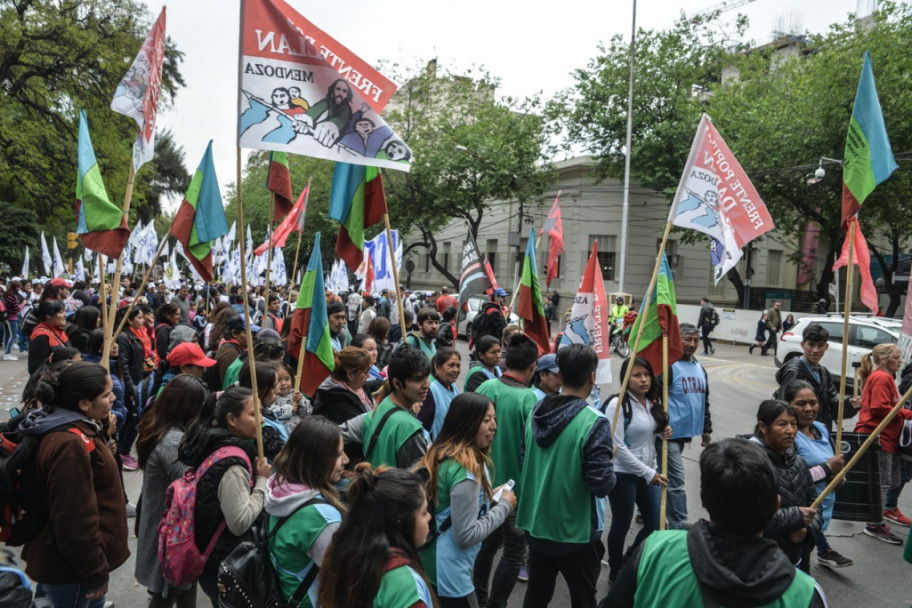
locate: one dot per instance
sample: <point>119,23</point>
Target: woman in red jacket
<point>49,335</point>
<point>878,397</point>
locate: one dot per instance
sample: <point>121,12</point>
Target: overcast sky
<point>532,46</point>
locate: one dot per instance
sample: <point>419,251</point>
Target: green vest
<point>428,347</point>
<point>398,428</point>
<point>513,406</point>
<point>232,373</point>
<point>665,572</point>
<point>556,504</point>
<point>401,588</point>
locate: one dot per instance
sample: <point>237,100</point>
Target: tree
<point>17,230</point>
<point>58,57</point>
<point>469,149</point>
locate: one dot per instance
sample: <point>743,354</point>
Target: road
<point>738,382</point>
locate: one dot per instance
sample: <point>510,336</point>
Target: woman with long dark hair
<point>379,330</point>
<point>85,536</point>
<point>233,489</point>
<point>48,335</point>
<point>166,317</point>
<point>795,523</point>
<point>639,483</point>
<point>131,360</point>
<point>373,558</point>
<point>85,320</point>
<point>446,366</point>
<point>459,489</point>
<point>302,499</point>
<point>160,433</point>
<point>274,432</point>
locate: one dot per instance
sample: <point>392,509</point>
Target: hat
<point>189,353</point>
<point>59,282</point>
<point>547,363</point>
<point>500,291</point>
<point>268,334</point>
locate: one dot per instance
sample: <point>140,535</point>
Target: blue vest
<point>687,399</point>
<point>442,400</point>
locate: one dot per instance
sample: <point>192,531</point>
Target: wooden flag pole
<point>118,268</point>
<point>300,370</point>
<point>850,272</point>
<point>834,483</point>
<point>663,508</point>
<point>268,259</point>
<point>389,241</point>
<point>537,243</point>
<point>294,267</point>
<point>646,305</point>
<point>250,358</point>
<point>105,321</point>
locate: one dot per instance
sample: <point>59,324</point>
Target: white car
<point>464,325</point>
<point>865,332</point>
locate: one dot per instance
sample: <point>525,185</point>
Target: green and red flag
<point>868,157</point>
<point>201,217</point>
<point>101,224</point>
<point>530,307</point>
<point>310,326</point>
<point>279,183</point>
<point>356,201</point>
<point>661,320</point>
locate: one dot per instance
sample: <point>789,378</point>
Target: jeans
<point>630,490</point>
<point>12,335</point>
<point>676,511</point>
<point>707,343</point>
<point>891,499</point>
<point>71,595</point>
<point>515,545</point>
<point>580,570</point>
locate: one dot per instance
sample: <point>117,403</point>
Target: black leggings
<point>469,601</point>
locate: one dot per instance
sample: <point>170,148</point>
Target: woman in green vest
<point>301,498</point>
<point>373,558</point>
<point>488,351</point>
<point>459,488</point>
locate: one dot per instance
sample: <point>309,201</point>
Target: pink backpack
<point>178,555</point>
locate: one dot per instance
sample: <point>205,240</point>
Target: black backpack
<point>247,578</point>
<point>23,510</point>
<point>29,321</point>
<point>488,321</point>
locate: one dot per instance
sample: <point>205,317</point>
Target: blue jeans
<point>515,547</point>
<point>676,511</point>
<point>68,596</point>
<point>905,476</point>
<point>630,490</point>
<point>12,335</point>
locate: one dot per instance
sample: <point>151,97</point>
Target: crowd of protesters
<point>395,485</point>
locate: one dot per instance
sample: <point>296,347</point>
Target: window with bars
<point>607,251</point>
<point>773,268</point>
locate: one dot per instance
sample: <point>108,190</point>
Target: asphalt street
<point>738,382</point>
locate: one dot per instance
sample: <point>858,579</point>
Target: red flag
<point>862,258</point>
<point>293,222</point>
<point>369,277</point>
<point>279,183</point>
<point>490,272</point>
<point>555,229</point>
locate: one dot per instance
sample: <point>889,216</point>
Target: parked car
<point>464,326</point>
<point>865,332</point>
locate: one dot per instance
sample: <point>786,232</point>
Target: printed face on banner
<point>314,101</point>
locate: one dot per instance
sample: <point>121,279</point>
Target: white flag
<point>382,261</point>
<point>339,277</point>
<point>25,265</point>
<point>278,274</point>
<point>59,269</point>
<point>78,270</point>
<point>46,257</point>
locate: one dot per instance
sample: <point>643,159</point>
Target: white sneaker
<point>10,357</point>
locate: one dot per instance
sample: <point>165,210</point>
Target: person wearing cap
<point>185,358</point>
<point>546,380</point>
<point>616,317</point>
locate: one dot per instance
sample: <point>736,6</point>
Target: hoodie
<point>42,421</point>
<point>737,571</point>
<point>567,460</point>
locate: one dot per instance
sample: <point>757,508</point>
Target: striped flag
<point>101,224</point>
<point>279,183</point>
<point>310,326</point>
<point>356,201</point>
<point>861,258</point>
<point>530,307</point>
<point>868,157</point>
<point>661,320</point>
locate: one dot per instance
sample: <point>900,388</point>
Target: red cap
<point>189,353</point>
<point>60,282</point>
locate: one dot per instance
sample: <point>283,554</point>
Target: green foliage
<point>58,57</point>
<point>469,149</point>
<point>18,229</point>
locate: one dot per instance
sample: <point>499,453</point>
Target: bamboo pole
<point>389,241</point>
<point>646,305</point>
<point>268,259</point>
<point>161,248</point>
<point>246,296</point>
<point>837,479</point>
<point>105,321</point>
<point>850,272</point>
<point>663,507</point>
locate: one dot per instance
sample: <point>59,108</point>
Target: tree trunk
<point>431,244</point>
<point>734,277</point>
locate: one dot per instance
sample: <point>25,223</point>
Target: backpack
<point>180,559</point>
<point>29,321</point>
<point>489,321</point>
<point>247,578</point>
<point>715,319</point>
<point>23,510</point>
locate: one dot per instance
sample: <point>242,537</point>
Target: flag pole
<point>118,268</point>
<point>269,257</point>
<point>389,241</point>
<point>850,271</point>
<point>646,304</point>
<point>132,304</point>
<point>105,322</point>
<point>837,479</point>
<point>244,290</point>
<point>537,243</point>
<point>663,508</point>
<point>294,267</point>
